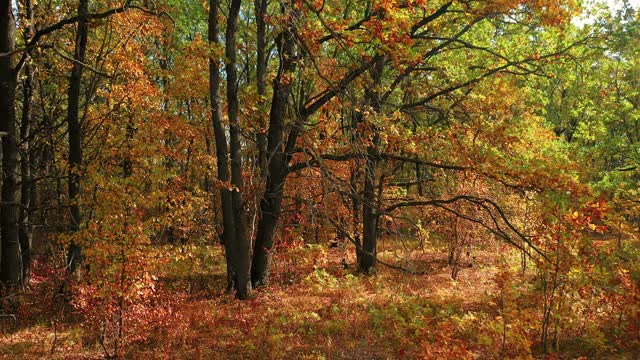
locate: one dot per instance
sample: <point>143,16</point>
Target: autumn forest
<point>320,179</point>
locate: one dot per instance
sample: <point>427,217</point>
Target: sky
<point>614,4</point>
<point>634,3</point>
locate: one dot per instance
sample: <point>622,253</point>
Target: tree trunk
<point>240,246</point>
<point>367,258</point>
<point>355,200</point>
<point>27,158</point>
<point>222,151</point>
<point>278,155</point>
<point>261,79</point>
<point>11,269</point>
<point>74,256</point>
<point>370,211</point>
<point>271,202</point>
<point>25,229</point>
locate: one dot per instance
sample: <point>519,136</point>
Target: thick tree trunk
<point>277,167</point>
<point>270,209</point>
<point>74,256</point>
<point>241,245</point>
<point>11,269</point>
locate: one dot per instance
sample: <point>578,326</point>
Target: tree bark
<point>74,255</point>
<point>355,198</point>
<point>241,245</point>
<point>261,79</point>
<point>279,155</point>
<point>370,213</point>
<point>27,158</point>
<point>11,267</point>
<point>277,167</point>
<point>222,150</point>
<point>367,258</point>
<point>24,228</point>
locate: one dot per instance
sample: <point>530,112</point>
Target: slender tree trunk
<point>27,158</point>
<point>418,168</point>
<point>127,162</point>
<point>222,151</point>
<point>280,153</point>
<point>11,269</point>
<point>368,252</point>
<point>25,177</point>
<point>277,168</point>
<point>367,256</point>
<point>74,256</point>
<point>355,202</point>
<point>261,78</point>
<point>241,245</point>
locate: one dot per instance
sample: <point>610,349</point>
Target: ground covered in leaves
<point>317,307</point>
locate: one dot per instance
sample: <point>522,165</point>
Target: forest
<point>320,179</point>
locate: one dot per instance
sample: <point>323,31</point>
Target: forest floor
<point>316,307</point>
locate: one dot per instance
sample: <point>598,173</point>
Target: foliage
<point>479,160</point>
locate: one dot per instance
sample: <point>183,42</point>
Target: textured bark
<point>222,151</point>
<point>271,202</point>
<point>367,256</point>
<point>261,78</point>
<point>25,229</point>
<point>278,155</point>
<point>354,181</point>
<point>241,245</point>
<point>11,269</point>
<point>27,158</point>
<point>370,213</point>
<point>74,256</point>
